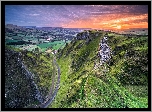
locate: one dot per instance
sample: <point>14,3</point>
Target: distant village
<point>45,33</point>
<point>30,36</point>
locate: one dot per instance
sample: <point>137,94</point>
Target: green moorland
<point>120,83</point>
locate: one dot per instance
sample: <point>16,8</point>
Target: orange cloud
<point>111,21</point>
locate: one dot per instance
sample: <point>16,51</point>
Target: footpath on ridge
<point>49,101</point>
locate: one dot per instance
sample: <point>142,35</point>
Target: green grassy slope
<point>41,65</point>
<point>54,45</point>
<point>121,82</point>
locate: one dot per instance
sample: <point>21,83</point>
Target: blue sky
<point>95,16</point>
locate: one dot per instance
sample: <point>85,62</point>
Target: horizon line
<point>75,27</point>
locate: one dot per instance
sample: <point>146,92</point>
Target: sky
<point>112,17</point>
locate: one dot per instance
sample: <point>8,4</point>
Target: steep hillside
<point>119,80</point>
<point>28,77</point>
<point>19,89</point>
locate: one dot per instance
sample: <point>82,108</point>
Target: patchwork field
<point>54,45</point>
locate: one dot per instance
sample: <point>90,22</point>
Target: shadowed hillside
<point>28,77</point>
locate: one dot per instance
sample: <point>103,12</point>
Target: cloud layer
<point>78,16</point>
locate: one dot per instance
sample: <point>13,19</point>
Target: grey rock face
<point>83,35</point>
<point>20,88</point>
<point>104,51</point>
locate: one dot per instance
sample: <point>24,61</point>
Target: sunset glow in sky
<point>115,17</point>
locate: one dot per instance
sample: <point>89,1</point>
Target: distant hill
<point>29,26</point>
<point>136,29</point>
<point>11,26</point>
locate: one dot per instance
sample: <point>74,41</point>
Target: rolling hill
<point>98,70</point>
<point>120,82</point>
